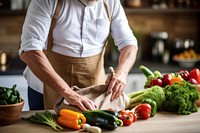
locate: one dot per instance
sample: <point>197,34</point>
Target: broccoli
<point>155,93</point>
<point>181,98</point>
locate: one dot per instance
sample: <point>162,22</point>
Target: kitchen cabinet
<point>19,80</point>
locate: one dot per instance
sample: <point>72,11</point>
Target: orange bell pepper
<point>71,119</point>
<point>175,79</point>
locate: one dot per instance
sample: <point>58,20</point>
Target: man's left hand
<point>117,84</point>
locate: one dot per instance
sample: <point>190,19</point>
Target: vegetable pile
<point>174,92</point>
<point>156,78</point>
<point>155,93</point>
<point>9,95</point>
<point>179,90</point>
<point>181,98</point>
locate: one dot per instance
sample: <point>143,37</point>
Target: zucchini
<point>102,119</point>
<point>146,71</point>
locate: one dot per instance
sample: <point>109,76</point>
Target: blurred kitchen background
<point>163,28</point>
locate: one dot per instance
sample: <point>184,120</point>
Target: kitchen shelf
<point>162,11</point>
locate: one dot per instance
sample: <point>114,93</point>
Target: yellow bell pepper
<point>71,119</point>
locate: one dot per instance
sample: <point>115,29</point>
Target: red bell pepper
<point>143,110</point>
<point>195,74</point>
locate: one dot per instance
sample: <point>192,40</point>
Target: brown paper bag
<point>97,93</point>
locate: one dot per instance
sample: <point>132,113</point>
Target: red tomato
<point>133,115</point>
<point>192,81</point>
<point>122,112</point>
<point>184,74</point>
<point>111,109</point>
<point>166,79</point>
<point>156,82</point>
<point>127,120</point>
<point>195,74</point>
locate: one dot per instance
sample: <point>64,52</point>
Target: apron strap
<point>53,23</point>
<point>110,19</point>
<point>107,10</point>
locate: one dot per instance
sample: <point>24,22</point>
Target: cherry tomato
<point>192,81</point>
<point>122,112</point>
<point>135,117</point>
<point>166,79</point>
<point>127,120</point>
<point>184,74</point>
<point>195,74</point>
<point>132,114</point>
<point>156,81</point>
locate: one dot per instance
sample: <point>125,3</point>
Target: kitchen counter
<point>165,122</point>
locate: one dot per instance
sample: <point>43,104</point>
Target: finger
<point>112,85</point>
<point>90,105</point>
<point>121,90</point>
<point>115,90</point>
<point>82,107</point>
<point>110,88</point>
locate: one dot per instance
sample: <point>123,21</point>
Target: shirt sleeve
<point>120,29</point>
<point>36,25</point>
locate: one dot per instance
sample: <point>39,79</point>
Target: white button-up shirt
<point>80,31</point>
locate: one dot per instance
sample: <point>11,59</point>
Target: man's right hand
<point>80,101</point>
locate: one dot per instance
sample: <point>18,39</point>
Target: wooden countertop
<point>162,122</point>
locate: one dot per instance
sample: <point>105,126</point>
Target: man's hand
<point>80,101</point>
<point>117,83</point>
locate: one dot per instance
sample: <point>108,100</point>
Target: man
<point>75,57</point>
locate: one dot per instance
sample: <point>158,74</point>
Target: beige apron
<point>81,72</point>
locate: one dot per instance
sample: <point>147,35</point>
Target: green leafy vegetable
<point>181,98</point>
<point>46,118</point>
<point>155,93</point>
<point>9,95</point>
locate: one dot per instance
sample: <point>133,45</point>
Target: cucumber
<point>146,71</point>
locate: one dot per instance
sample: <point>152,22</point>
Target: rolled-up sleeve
<point>120,29</point>
<point>36,25</point>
